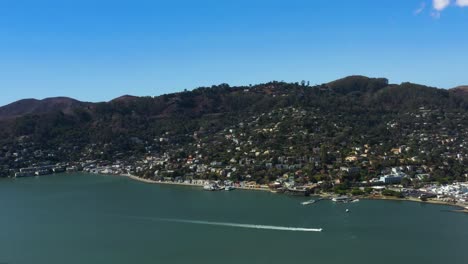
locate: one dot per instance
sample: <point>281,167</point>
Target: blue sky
<point>98,50</point>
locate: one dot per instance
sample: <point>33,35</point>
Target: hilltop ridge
<point>260,131</point>
<point>34,106</point>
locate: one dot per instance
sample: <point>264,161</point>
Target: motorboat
<point>308,202</point>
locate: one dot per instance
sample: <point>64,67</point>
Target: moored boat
<point>209,187</point>
<point>297,191</point>
<point>341,199</point>
<point>229,188</point>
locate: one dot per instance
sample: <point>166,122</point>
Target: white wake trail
<point>267,227</point>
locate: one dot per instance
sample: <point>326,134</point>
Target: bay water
<point>84,218</point>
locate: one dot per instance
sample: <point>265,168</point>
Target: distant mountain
<point>460,90</point>
<point>34,106</point>
<point>131,115</point>
<point>357,83</point>
<point>363,91</point>
<point>125,98</point>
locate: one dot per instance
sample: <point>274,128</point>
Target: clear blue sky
<point>97,50</point>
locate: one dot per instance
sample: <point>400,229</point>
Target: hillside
<point>461,91</point>
<point>34,106</point>
<point>319,127</point>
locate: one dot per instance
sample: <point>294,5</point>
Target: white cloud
<point>440,5</point>
<point>462,3</point>
<point>420,9</point>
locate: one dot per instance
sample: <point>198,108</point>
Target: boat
<point>355,201</point>
<point>308,202</point>
<point>347,210</point>
<point>229,188</point>
<point>278,190</point>
<point>297,191</point>
<point>341,199</point>
<point>209,187</point>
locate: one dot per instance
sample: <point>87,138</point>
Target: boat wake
<point>266,227</point>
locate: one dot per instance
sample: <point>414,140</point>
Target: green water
<point>79,218</point>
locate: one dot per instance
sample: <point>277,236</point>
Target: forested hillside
<point>329,122</point>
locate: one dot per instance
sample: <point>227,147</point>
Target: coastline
<point>186,184</point>
<point>461,208</point>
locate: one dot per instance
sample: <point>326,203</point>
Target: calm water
<point>79,218</point>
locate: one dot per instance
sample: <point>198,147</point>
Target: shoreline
<point>461,208</point>
<point>186,184</point>
<point>458,207</point>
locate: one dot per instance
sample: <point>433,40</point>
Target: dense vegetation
<point>285,119</point>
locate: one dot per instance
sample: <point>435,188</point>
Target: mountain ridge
<point>36,106</point>
<point>229,124</point>
<point>460,90</point>
<point>346,85</point>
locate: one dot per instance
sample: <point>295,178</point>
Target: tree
<point>357,192</point>
<point>405,182</point>
<point>324,155</point>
